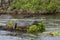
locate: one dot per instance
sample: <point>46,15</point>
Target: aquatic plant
<point>19,29</point>
<point>33,29</point>
<point>36,28</point>
<point>55,33</point>
<point>41,27</point>
<point>10,25</point>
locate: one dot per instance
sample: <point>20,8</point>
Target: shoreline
<point>28,13</point>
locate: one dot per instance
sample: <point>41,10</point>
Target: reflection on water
<point>52,24</point>
<point>11,38</point>
<point>7,35</point>
<point>6,16</point>
<point>48,38</point>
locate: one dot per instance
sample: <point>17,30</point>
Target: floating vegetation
<point>36,28</point>
<point>18,28</point>
<point>41,27</point>
<point>33,29</point>
<point>55,33</point>
<point>10,25</point>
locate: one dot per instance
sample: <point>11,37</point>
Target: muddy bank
<point>28,12</point>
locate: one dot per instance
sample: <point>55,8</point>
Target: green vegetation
<point>33,29</point>
<point>36,5</point>
<point>19,29</point>
<point>36,28</point>
<point>10,25</point>
<point>41,27</point>
<point>55,33</point>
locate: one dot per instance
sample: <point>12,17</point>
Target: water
<point>52,24</point>
<point>49,38</point>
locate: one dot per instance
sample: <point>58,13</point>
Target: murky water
<point>52,24</point>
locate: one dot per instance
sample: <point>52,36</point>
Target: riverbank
<point>31,8</point>
<point>29,12</point>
